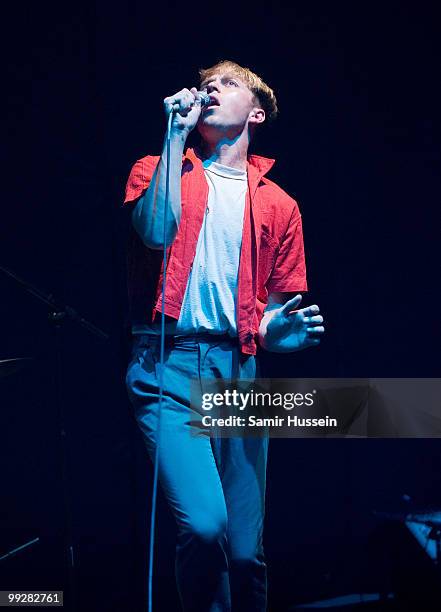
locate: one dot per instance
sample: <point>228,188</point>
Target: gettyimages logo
<point>254,399</point>
<point>324,407</point>
<point>258,407</point>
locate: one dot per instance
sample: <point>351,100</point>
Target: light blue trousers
<point>214,486</point>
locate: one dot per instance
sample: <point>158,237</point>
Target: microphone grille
<point>205,98</point>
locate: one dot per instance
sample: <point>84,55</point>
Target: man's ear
<point>257,115</point>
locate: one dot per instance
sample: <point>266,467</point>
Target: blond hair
<point>255,84</point>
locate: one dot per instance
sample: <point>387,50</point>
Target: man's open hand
<point>286,329</point>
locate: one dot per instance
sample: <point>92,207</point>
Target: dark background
<point>356,143</point>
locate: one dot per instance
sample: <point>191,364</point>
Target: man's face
<point>233,103</point>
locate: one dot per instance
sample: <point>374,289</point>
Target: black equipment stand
<point>58,314</point>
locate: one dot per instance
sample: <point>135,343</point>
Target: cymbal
<point>11,366</point>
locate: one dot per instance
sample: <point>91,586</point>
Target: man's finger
<point>291,304</point>
<point>317,329</point>
<point>315,320</point>
<point>169,104</point>
<point>310,311</point>
<point>197,101</point>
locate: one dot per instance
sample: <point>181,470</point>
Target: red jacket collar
<point>258,166</point>
<point>262,164</point>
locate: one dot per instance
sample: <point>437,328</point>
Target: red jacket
<point>271,259</point>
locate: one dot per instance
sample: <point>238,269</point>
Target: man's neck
<point>227,153</point>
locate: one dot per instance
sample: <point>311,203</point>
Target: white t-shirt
<point>210,298</point>
<point>209,303</point>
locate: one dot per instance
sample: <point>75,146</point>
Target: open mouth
<point>213,103</point>
<point>209,107</point>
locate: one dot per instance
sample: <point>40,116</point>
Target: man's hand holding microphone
<point>186,106</point>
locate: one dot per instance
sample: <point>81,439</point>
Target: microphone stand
<point>58,314</point>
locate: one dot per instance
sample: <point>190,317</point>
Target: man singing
<point>235,263</point>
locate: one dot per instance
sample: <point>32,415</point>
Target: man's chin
<point>206,128</point>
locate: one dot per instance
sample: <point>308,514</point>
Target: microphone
<point>204,97</point>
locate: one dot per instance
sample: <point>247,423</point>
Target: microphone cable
<point>205,100</point>
<point>161,373</point>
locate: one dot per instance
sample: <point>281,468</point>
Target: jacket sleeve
<point>140,177</point>
<point>289,271</point>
